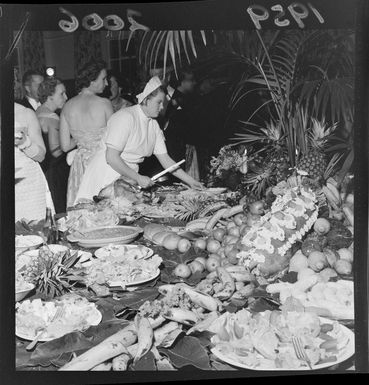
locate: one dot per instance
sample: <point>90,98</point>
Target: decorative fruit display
<point>267,244</point>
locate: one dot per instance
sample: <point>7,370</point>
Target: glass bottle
<point>50,229</point>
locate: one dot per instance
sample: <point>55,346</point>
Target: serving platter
<point>346,351</point>
<point>134,283</point>
<point>103,236</point>
<point>27,242</point>
<point>83,316</point>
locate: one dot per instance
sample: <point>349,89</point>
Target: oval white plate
<point>95,321</point>
<point>100,242</point>
<point>105,252</point>
<point>27,242</point>
<point>345,353</point>
<point>135,283</point>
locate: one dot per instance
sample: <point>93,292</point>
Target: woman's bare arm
<point>34,144</point>
<point>119,165</point>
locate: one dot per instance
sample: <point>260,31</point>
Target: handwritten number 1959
<point>298,11</point>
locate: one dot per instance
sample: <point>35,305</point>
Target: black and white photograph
<point>185,194</point>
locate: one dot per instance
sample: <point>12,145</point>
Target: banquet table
<point>118,306</point>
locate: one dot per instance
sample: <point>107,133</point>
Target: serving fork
<point>300,350</point>
<point>58,314</point>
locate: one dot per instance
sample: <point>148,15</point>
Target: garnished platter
<point>33,316</point>
<point>255,342</point>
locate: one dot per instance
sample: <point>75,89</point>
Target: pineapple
<point>313,160</point>
<point>271,164</point>
<point>197,207</point>
<point>51,272</point>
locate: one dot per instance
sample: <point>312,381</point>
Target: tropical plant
<point>281,80</point>
<point>159,46</point>
<point>289,70</point>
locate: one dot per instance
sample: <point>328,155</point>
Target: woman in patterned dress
<point>29,151</point>
<point>83,122</point>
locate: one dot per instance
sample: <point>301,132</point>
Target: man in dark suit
<point>31,80</point>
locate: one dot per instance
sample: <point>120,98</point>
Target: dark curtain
<point>33,51</point>
<point>87,46</point>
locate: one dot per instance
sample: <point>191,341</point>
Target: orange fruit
<point>219,234</point>
<point>212,263</point>
<point>182,270</point>
<point>183,245</point>
<point>196,266</point>
<point>212,245</point>
<point>200,243</point>
<point>322,226</point>
<point>234,231</point>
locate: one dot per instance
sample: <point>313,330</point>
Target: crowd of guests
<point>68,150</point>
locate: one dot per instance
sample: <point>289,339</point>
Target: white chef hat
<point>150,87</point>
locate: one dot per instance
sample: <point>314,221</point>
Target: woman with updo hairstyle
<point>132,135</point>
<point>116,86</point>
<point>52,95</point>
<point>89,73</point>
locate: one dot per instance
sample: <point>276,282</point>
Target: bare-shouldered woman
<point>83,122</point>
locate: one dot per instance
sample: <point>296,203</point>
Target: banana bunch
<point>339,209</point>
<point>332,194</point>
<point>233,282</point>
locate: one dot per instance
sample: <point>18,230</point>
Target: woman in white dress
<point>29,151</point>
<point>132,134</point>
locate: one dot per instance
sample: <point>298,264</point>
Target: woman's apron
<point>99,175</point>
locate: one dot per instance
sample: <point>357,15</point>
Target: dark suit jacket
<point>24,102</point>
